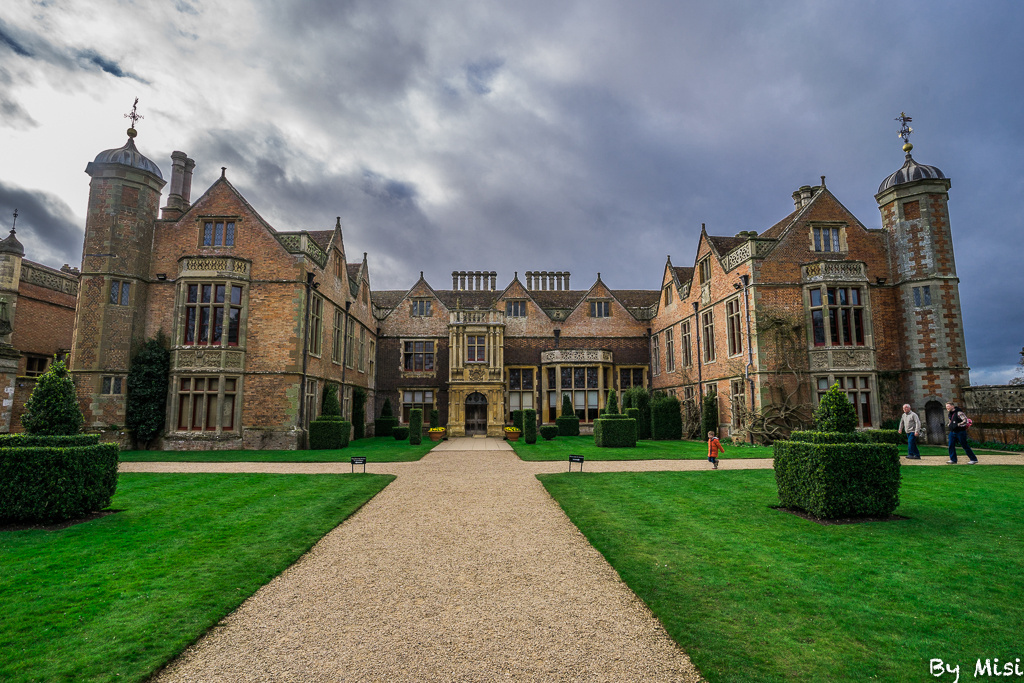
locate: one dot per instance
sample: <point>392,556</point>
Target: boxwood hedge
<point>55,440</point>
<point>329,432</point>
<point>400,433</point>
<point>53,484</point>
<point>615,431</point>
<point>833,480</point>
<point>548,432</point>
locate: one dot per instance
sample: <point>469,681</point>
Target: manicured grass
<point>560,447</point>
<point>374,449</point>
<point>755,594</point>
<point>114,598</point>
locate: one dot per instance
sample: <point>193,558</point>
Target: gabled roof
<point>387,299</point>
<point>566,298</point>
<point>723,245</point>
<point>456,298</point>
<point>636,298</point>
<point>321,237</point>
<point>683,275</point>
<point>776,230</point>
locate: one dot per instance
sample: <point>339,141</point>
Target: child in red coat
<point>714,448</point>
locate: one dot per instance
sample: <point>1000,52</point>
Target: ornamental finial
<point>905,131</point>
<point>15,224</point>
<point>134,116</point>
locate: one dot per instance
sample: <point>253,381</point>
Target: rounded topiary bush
<point>53,406</point>
<point>400,433</point>
<point>549,432</point>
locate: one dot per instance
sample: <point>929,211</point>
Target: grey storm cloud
<point>46,225</point>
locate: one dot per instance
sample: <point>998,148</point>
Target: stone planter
<point>513,436</point>
<point>435,436</point>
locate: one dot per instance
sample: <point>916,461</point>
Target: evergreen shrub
<point>51,484</point>
<point>709,414</point>
<point>387,420</point>
<point>612,405</point>
<point>884,436</point>
<point>435,419</point>
<point>568,423</point>
<point>329,432</point>
<point>400,433</point>
<point>615,432</point>
<point>329,405</point>
<point>828,437</point>
<point>148,381</point>
<point>56,440</point>
<point>358,412</point>
<point>634,414</point>
<point>530,425</point>
<point>53,406</point>
<point>834,480</point>
<point>549,432</point>
<point>416,426</point>
<point>666,419</point>
<point>641,400</point>
<point>835,413</point>
<point>517,419</point>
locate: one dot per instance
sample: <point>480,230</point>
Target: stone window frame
<point>737,401</point>
<point>734,326</point>
<point>316,326</point>
<point>113,385</point>
<point>600,308</point>
<point>515,308</point>
<point>312,400</point>
<point>819,312</point>
<point>338,339</point>
<point>228,305</point>
<point>830,235</point>
<point>532,392</point>
<point>704,270</point>
<point>225,391</point>
<point>476,350</point>
<point>655,355</point>
<point>230,225</point>
<point>120,293</point>
<point>362,349</point>
<point>707,323</point>
<point>421,308</point>
<point>922,296</point>
<point>670,351</point>
<point>668,294</point>
<point>350,344</point>
<point>407,355</point>
<point>865,388</point>
<point>686,344</point>
<point>42,364</point>
<point>403,418</point>
<point>631,369</point>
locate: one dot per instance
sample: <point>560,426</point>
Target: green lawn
<point>375,449</point>
<point>114,598</point>
<point>560,447</point>
<point>754,594</point>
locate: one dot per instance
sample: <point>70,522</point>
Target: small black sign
<point>575,458</point>
<point>358,461</point>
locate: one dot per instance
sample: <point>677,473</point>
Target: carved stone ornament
<point>576,356</point>
<point>476,374</point>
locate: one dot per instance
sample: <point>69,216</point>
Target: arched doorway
<point>476,414</point>
<point>935,419</point>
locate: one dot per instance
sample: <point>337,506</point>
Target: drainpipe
<point>745,279</point>
<point>700,374</point>
<point>310,286</point>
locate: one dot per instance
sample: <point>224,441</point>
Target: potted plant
<point>512,433</point>
<point>436,433</point>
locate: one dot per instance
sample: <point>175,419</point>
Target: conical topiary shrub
<point>568,424</point>
<point>385,424</point>
<point>330,406</point>
<point>835,413</point>
<point>53,406</point>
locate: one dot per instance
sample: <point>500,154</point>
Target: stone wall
<point>997,411</point>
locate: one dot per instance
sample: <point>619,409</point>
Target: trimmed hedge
<point>54,440</point>
<point>329,432</point>
<point>885,436</point>
<point>549,432</point>
<point>612,432</point>
<point>640,399</point>
<point>416,426</point>
<point>568,425</point>
<point>435,419</point>
<point>517,419</point>
<point>530,425</point>
<point>666,419</point>
<point>833,480</point>
<point>48,484</point>
<point>400,433</point>
<point>829,437</point>
<point>634,414</point>
<point>358,413</point>
<point>384,426</point>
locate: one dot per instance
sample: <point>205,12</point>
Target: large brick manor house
<point>259,319</point>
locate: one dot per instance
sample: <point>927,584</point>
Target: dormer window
<point>421,308</point>
<point>600,309</point>
<point>668,295</point>
<point>218,233</point>
<point>515,309</point>
<point>704,267</point>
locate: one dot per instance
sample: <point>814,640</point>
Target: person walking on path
<point>958,424</point>
<point>714,448</point>
<point>910,424</point>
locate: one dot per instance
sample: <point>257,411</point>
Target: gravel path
<point>463,569</point>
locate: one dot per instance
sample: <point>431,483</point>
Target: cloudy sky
<point>582,136</point>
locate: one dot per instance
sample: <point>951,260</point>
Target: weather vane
<point>134,116</point>
<point>905,131</point>
<point>15,224</point>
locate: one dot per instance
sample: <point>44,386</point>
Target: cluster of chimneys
<point>545,280</point>
<point>805,194</point>
<point>474,280</point>
<point>181,185</point>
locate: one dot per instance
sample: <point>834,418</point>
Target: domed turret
<point>128,155</point>
<point>909,172</point>
<point>11,245</point>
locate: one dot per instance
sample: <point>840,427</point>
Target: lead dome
<point>128,155</point>
<point>909,172</point>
